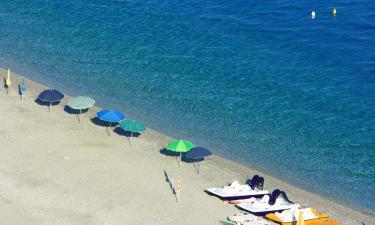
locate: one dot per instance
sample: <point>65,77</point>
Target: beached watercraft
<point>235,190</point>
<point>289,217</point>
<point>278,201</point>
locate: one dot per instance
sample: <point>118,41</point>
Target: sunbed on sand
<point>247,219</point>
<point>235,190</point>
<point>277,202</point>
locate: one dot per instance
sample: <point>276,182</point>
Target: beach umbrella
<point>132,126</point>
<point>50,96</point>
<point>180,146</point>
<point>300,219</point>
<point>22,88</point>
<point>8,82</point>
<point>110,116</point>
<point>80,103</point>
<point>198,153</point>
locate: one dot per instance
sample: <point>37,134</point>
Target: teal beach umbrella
<point>22,88</point>
<point>132,126</point>
<point>180,146</point>
<point>80,103</point>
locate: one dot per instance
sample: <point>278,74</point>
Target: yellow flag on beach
<point>8,82</point>
<point>300,220</point>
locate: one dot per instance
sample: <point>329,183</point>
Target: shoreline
<point>226,168</point>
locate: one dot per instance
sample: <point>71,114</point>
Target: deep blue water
<point>256,81</point>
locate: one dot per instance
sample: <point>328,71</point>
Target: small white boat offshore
<point>235,190</point>
<point>278,201</point>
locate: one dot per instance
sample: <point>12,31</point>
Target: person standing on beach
<point>8,82</point>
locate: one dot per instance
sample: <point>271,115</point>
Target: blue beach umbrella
<point>198,153</point>
<point>50,96</point>
<point>110,116</point>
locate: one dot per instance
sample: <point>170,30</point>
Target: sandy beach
<point>54,170</point>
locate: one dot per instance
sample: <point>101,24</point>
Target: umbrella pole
<point>110,126</point>
<point>198,168</point>
<point>49,107</point>
<point>179,161</point>
<point>131,135</point>
<point>79,119</point>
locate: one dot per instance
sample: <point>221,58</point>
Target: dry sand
<point>55,171</point>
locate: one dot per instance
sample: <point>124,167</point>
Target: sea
<point>258,82</point>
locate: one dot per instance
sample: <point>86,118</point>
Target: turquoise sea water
<point>256,81</point>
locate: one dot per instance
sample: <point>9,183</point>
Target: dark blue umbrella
<point>198,153</point>
<point>50,96</point>
<point>110,116</point>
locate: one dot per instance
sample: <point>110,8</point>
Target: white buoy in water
<point>313,15</point>
<point>334,11</point>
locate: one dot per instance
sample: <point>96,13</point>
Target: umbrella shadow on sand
<point>76,112</point>
<point>109,126</point>
<point>122,132</point>
<point>42,103</point>
<point>128,134</point>
<point>95,120</point>
<point>166,152</point>
<point>69,110</point>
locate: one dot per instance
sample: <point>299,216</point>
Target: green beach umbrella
<point>132,126</point>
<point>80,103</point>
<point>180,146</point>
